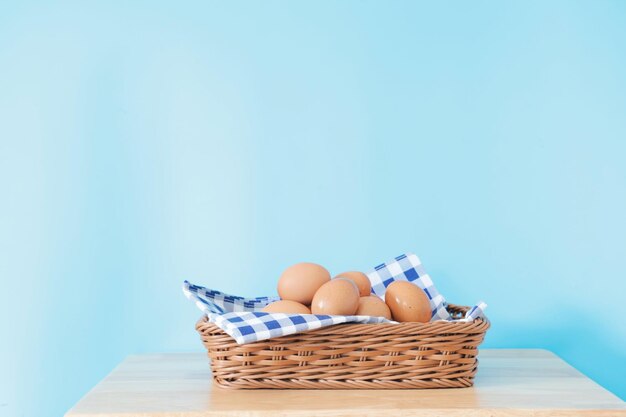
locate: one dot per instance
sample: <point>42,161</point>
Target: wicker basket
<point>351,356</point>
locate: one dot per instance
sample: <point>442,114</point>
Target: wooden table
<point>510,383</point>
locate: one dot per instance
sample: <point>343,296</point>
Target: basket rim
<point>478,325</point>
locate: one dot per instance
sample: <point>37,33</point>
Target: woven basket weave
<point>351,356</point>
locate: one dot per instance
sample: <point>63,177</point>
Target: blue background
<point>145,144</point>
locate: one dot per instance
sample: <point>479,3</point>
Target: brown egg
<point>407,302</point>
<point>339,296</point>
<point>360,279</point>
<point>371,305</point>
<point>299,282</point>
<point>287,307</point>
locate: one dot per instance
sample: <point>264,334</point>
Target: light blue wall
<point>145,144</point>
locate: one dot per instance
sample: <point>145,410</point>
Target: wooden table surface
<point>520,382</point>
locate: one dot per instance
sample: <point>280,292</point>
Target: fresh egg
<point>371,305</point>
<point>407,302</point>
<point>299,282</point>
<point>360,279</point>
<point>287,307</point>
<point>337,297</point>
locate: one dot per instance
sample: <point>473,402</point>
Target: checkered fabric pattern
<point>408,267</point>
<point>242,319</point>
<point>212,301</point>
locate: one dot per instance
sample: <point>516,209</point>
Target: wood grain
<point>509,383</point>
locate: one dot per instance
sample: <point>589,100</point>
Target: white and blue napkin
<point>243,320</point>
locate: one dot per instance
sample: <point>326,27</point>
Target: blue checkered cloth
<point>242,319</point>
